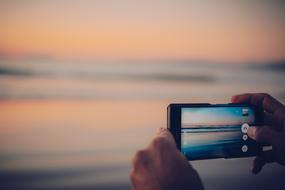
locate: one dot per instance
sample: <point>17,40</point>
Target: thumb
<point>263,134</point>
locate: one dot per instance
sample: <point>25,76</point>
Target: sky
<point>216,30</point>
<point>215,116</point>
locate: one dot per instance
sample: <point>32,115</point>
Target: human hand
<point>162,167</point>
<point>273,131</point>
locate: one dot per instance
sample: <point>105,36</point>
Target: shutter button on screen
<point>244,148</point>
<point>244,127</point>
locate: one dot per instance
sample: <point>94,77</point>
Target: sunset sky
<point>227,31</point>
<point>215,116</point>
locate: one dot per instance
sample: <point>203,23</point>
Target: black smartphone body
<point>208,131</point>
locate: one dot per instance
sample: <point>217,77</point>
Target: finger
<point>263,100</point>
<point>274,121</point>
<point>268,119</point>
<point>279,118</point>
<point>165,134</point>
<point>264,134</point>
<point>162,144</point>
<point>257,165</point>
<point>132,175</point>
<point>261,160</point>
<point>141,160</point>
<point>133,179</point>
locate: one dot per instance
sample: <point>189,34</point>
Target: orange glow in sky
<point>231,31</point>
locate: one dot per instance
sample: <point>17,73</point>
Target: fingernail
<point>251,132</point>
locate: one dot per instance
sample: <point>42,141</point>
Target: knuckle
<point>133,179</point>
<point>140,157</point>
<point>132,175</point>
<point>279,117</point>
<point>160,143</point>
<point>141,162</point>
<point>141,154</point>
<point>264,134</point>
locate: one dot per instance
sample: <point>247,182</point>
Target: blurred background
<point>84,84</point>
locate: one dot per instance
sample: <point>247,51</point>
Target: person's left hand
<point>162,167</point>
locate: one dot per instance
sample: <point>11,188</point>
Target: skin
<point>161,166</point>
<point>272,132</point>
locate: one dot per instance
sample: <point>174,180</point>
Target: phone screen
<point>217,132</point>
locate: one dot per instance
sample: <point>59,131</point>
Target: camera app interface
<point>216,132</point>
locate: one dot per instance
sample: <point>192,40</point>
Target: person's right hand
<point>273,131</point>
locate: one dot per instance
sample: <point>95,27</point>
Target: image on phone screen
<point>217,132</point>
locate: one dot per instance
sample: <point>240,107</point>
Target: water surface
<point>77,126</point>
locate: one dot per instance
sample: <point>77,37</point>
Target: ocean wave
<point>110,76</point>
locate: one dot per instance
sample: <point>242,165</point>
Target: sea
<point>76,124</point>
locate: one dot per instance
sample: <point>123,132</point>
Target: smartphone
<point>208,131</point>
